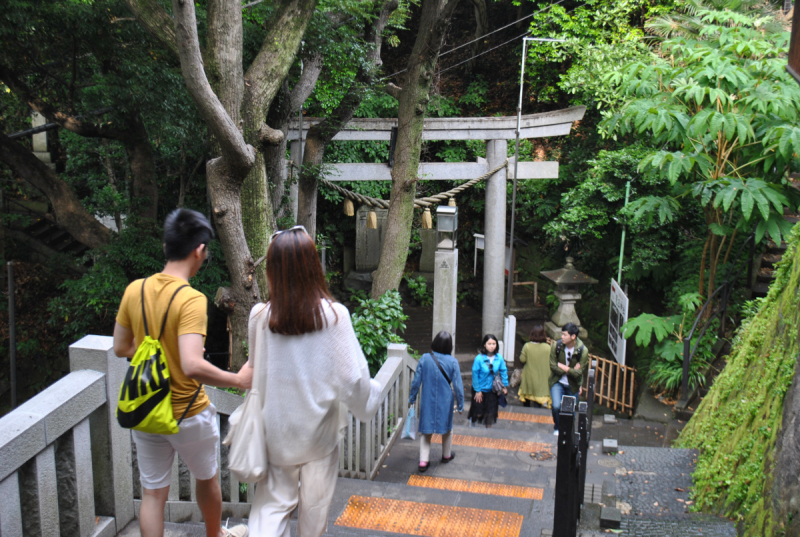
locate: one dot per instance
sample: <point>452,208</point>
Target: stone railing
<point>366,444</point>
<point>68,468</point>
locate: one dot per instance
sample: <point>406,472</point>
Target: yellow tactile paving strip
<point>530,418</point>
<point>429,520</point>
<point>475,487</point>
<point>494,443</point>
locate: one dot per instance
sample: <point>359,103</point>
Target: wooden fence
<point>614,385</point>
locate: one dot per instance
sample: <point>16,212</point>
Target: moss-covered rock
<point>749,457</point>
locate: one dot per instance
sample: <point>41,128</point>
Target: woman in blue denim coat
<point>487,365</point>
<point>435,372</point>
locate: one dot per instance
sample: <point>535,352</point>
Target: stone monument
<point>568,279</point>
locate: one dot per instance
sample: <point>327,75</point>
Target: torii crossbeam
<point>496,131</point>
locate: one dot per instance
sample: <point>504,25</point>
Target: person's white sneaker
<point>237,531</point>
<point>555,433</point>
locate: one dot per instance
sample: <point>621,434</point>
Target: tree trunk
<point>224,189</point>
<point>69,212</point>
<point>413,101</point>
<point>280,113</point>
<point>321,134</point>
<point>143,169</point>
<point>481,28</point>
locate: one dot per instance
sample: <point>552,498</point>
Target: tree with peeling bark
<point>413,100</point>
<point>234,104</point>
<point>320,135</point>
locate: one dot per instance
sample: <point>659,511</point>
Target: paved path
<point>495,482</point>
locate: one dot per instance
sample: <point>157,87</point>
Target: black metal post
<point>12,333</point>
<point>565,519</point>
<point>685,381</point>
<point>583,451</point>
<point>724,308</point>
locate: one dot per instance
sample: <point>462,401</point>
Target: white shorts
<point>197,443</point>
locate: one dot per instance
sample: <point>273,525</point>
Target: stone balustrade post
<point>111,444</point>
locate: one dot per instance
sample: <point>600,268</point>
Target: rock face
<point>786,476</point>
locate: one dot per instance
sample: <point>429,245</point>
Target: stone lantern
<point>568,279</point>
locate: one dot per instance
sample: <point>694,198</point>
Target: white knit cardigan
<point>307,383</point>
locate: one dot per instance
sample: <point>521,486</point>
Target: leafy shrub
<point>376,323</point>
<point>666,369</point>
<point>89,304</point>
<point>419,290</point>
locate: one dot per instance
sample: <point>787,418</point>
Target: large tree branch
<point>321,134</point>
<point>239,156</point>
<point>265,75</point>
<point>224,56</point>
<point>312,67</point>
<point>156,21</point>
<point>70,214</point>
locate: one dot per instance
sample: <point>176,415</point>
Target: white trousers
<point>311,485</point>
<point>425,446</point>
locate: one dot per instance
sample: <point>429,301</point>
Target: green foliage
<point>666,369</point>
<point>419,290</point>
<point>89,304</point>
<point>736,426</point>
<point>376,323</point>
<point>724,111</point>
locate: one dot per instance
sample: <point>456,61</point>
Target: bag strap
<point>441,368</point>
<point>194,398</point>
<point>164,322</point>
<point>144,315</point>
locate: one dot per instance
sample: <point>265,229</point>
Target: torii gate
<point>496,131</point>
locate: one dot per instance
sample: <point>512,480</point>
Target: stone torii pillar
<point>494,253</point>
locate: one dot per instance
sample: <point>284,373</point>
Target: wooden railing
<point>615,385</point>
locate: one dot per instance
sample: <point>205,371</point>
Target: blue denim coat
<point>436,406</point>
<point>481,378</point>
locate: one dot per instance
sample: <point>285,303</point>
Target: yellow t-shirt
<point>187,315</point>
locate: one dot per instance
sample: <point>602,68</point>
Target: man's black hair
<point>442,343</point>
<point>571,328</point>
<point>185,230</point>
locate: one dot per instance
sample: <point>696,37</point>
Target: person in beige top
<point>536,372</point>
<point>186,237</point>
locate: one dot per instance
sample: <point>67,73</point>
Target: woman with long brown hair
<point>310,364</point>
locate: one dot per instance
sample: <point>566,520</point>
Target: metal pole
<point>12,331</point>
<point>685,380</point>
<point>564,516</point>
<point>516,166</point>
<point>622,246</point>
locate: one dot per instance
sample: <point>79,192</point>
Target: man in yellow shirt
<point>179,317</point>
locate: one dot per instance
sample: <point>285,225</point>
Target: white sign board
<point>617,316</point>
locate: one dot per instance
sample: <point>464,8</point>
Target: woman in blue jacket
<point>487,365</point>
<point>435,372</point>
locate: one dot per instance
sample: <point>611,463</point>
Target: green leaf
<point>645,326</point>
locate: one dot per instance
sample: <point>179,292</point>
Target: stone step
<point>760,289</point>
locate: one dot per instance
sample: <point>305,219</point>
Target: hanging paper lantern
<point>427,221</point>
<point>349,209</point>
<point>372,219</point>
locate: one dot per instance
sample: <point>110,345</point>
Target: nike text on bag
<point>145,401</point>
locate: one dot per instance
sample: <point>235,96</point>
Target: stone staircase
<point>502,483</point>
<point>766,269</point>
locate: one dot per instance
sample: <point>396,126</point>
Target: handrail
<point>724,289</point>
<point>366,444</point>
